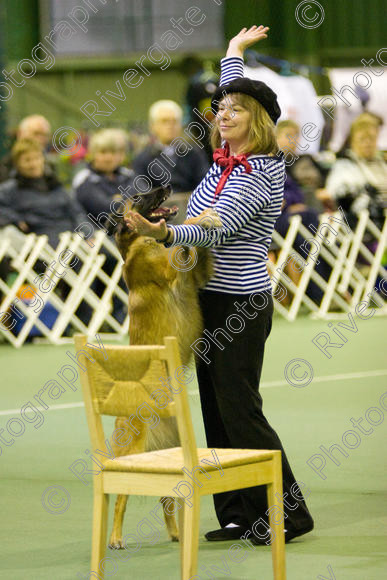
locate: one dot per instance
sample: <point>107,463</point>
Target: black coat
<point>44,204</point>
<point>187,173</point>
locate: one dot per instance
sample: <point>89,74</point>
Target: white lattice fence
<point>354,269</point>
<point>38,270</point>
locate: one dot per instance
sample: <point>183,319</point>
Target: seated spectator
<point>183,171</point>
<point>95,188</point>
<point>294,203</point>
<point>358,180</point>
<point>33,128</point>
<point>36,202</point>
<point>96,185</point>
<point>308,174</point>
<point>373,118</point>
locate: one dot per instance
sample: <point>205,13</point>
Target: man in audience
<point>185,169</point>
<point>35,128</point>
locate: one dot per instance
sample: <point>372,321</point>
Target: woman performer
<point>245,187</point>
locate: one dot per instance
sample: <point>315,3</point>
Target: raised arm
<point>246,38</point>
<point>232,68</point>
<point>232,63</point>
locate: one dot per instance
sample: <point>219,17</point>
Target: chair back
<point>119,381</point>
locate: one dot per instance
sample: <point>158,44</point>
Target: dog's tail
<point>163,436</point>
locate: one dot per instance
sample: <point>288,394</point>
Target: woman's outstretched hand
<point>143,227</point>
<point>246,38</point>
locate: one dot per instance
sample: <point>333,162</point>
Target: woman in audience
<point>303,169</point>
<point>96,185</point>
<point>358,180</point>
<point>295,204</point>
<point>95,188</point>
<point>36,202</point>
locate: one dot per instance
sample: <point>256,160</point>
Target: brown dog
<point>163,301</point>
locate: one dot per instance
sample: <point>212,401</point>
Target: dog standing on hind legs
<point>163,301</point>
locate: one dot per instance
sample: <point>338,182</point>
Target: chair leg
<point>100,515</point>
<point>189,536</point>
<point>274,491</point>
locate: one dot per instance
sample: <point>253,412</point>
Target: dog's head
<point>146,204</point>
<point>149,205</point>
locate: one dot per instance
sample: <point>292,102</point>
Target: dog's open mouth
<point>162,212</point>
<point>149,204</point>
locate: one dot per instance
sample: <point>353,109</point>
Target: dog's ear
<point>111,224</point>
<point>114,223</point>
<point>124,237</point>
<point>167,189</point>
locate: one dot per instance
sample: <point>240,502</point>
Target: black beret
<point>256,89</point>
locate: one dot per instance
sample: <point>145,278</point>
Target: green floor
<point>349,506</point>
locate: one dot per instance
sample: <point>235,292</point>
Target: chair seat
<point>172,460</point>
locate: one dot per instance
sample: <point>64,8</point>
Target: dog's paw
<point>116,544</point>
<point>209,219</point>
<point>175,537</point>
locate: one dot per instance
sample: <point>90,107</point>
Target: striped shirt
<point>248,206</point>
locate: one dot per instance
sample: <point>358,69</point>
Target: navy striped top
<point>248,205</point>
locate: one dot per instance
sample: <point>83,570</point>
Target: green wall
<point>352,30</point>
<point>22,27</point>
<point>61,91</point>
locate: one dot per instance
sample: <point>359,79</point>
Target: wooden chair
<point>115,386</point>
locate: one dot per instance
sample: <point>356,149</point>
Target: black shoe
<point>290,534</point>
<point>225,534</point>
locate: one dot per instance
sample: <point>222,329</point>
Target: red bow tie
<point>223,158</point>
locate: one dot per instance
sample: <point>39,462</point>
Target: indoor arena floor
<point>349,505</point>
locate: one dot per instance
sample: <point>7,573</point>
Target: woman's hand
<point>143,227</point>
<point>246,38</point>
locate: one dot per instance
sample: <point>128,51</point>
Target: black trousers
<point>231,402</point>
